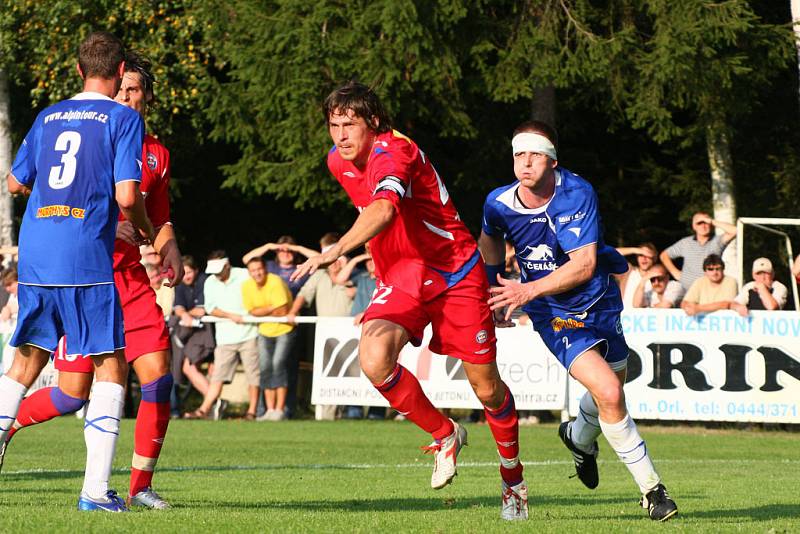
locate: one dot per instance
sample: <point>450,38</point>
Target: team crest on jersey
<point>560,324</point>
<point>482,336</point>
<point>152,162</point>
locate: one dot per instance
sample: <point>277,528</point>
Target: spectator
<point>694,249</point>
<point>656,290</point>
<point>713,292</point>
<point>8,317</point>
<point>267,295</point>
<point>235,340</point>
<point>286,260</point>
<point>646,257</point>
<point>796,268</point>
<point>763,293</point>
<point>192,341</point>
<point>331,299</point>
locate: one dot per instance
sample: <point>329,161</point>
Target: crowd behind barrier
<point>223,318</point>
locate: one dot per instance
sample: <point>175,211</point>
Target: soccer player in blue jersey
<point>80,164</point>
<point>552,217</point>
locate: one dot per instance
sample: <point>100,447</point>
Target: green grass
<point>311,476</point>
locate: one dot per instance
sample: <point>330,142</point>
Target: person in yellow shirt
<point>267,295</point>
<point>712,292</point>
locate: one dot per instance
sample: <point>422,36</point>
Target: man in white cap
<point>763,293</point>
<point>235,340</point>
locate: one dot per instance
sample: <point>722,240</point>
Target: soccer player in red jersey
<point>146,337</point>
<point>429,272</point>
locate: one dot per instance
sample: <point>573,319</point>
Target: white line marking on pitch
<point>425,465</point>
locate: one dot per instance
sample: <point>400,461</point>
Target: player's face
<point>352,136</point>
<point>257,272</point>
<point>533,169</point>
<point>131,93</point>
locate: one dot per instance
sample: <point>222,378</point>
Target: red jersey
<point>427,232</point>
<point>155,188</point>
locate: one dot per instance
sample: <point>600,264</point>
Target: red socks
<point>43,405</point>
<point>504,425</point>
<point>405,395</point>
<point>151,428</point>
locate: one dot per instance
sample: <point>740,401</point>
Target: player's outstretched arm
<point>578,270</point>
<point>369,223</point>
<point>131,203</point>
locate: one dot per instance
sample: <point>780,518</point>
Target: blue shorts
<point>90,317</point>
<point>568,337</point>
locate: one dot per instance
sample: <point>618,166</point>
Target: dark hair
<point>329,238</point>
<point>10,275</point>
<point>286,240</point>
<point>540,127</point>
<point>259,259</point>
<point>100,54</point>
<point>362,101</point>
<point>217,254</point>
<point>713,259</point>
<point>189,261</point>
<point>135,62</point>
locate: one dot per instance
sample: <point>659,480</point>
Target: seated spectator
<point>712,292</point>
<point>763,293</point>
<point>267,295</point>
<point>695,248</point>
<point>656,290</point>
<point>192,341</point>
<point>646,257</point>
<point>286,259</point>
<point>235,339</point>
<point>8,317</point>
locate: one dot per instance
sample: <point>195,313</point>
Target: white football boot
<point>515,502</point>
<point>445,453</point>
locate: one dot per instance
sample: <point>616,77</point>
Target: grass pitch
<point>367,476</point>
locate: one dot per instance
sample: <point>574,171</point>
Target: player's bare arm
<point>370,222</point>
<point>575,272</point>
<point>493,251</point>
<point>131,204</point>
<point>166,245</point>
<point>16,188</point>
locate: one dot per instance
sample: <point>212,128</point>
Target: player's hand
<point>172,267</point>
<point>500,321</point>
<point>511,295</point>
<point>311,265</point>
<point>147,233</point>
<point>127,232</point>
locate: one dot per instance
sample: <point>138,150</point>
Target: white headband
<point>533,142</point>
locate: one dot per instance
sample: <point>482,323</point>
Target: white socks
<point>632,450</point>
<point>11,394</point>
<point>100,431</point>
<point>585,429</point>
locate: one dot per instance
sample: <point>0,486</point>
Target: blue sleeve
<point>492,222</point>
<point>24,168</point>
<point>128,147</point>
<point>580,225</point>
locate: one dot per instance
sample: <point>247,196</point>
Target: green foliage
<point>40,42</point>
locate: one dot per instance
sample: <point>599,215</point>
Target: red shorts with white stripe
<point>459,317</point>
<point>145,328</point>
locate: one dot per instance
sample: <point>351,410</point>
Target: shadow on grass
<point>755,513</point>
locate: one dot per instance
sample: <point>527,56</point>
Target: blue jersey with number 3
<point>75,153</point>
<point>543,238</point>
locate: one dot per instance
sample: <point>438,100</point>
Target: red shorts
<point>145,328</point>
<point>459,316</point>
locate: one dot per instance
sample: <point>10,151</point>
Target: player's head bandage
<point>533,142</point>
<point>391,183</point>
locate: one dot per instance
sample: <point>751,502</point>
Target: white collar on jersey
<point>90,95</point>
<point>509,199</point>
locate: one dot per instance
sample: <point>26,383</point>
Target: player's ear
<point>121,70</point>
<point>374,122</point>
<point>80,72</point>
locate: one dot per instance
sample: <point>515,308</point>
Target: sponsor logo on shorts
<point>560,324</point>
<point>482,336</point>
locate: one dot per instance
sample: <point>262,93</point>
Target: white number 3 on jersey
<point>61,176</point>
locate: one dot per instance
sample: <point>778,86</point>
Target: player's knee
<point>490,393</point>
<point>610,396</point>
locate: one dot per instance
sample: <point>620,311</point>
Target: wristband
<point>492,271</point>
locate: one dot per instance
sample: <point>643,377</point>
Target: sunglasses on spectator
<point>714,268</point>
<point>659,278</point>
